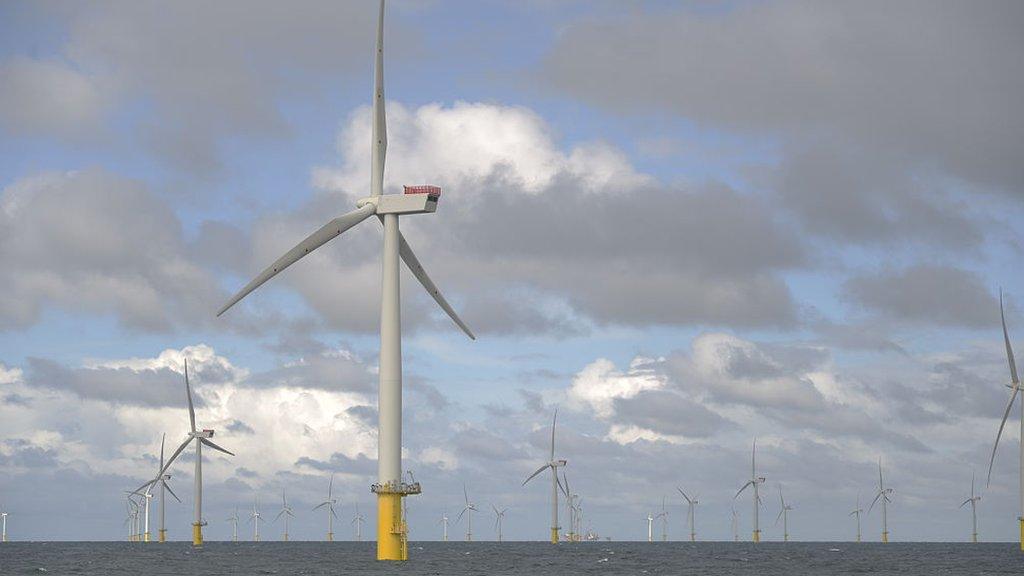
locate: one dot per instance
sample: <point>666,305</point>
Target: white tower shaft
<point>197,509</point>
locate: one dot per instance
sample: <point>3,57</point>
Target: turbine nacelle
<point>400,203</point>
<point>207,433</point>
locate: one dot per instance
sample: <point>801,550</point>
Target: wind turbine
<point>329,503</point>
<point>553,465</point>
<point>754,481</point>
<point>570,500</point>
<point>254,518</point>
<point>469,507</point>
<point>3,537</point>
<point>234,525</point>
<point>499,515</point>
<point>692,504</point>
<point>164,488</point>
<point>883,495</point>
<point>856,512</point>
<point>444,521</point>
<point>664,521</point>
<point>129,519</point>
<point>1014,387</point>
<point>134,513</point>
<point>201,438</point>
<point>784,515</point>
<point>390,489</point>
<point>650,527</point>
<point>286,511</point>
<point>973,500</point>
<point>358,521</point>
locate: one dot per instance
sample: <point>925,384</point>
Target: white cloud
<point>600,383</point>
<point>49,97</point>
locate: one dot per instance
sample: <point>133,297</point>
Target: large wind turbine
<point>973,500</point>
<point>856,512</point>
<point>499,515</point>
<point>331,514</point>
<point>1014,389</point>
<point>883,495</point>
<point>784,515</point>
<point>444,521</point>
<point>469,507</point>
<point>286,511</point>
<point>754,481</point>
<point>553,465</point>
<point>201,438</point>
<point>390,489</point>
<point>692,505</point>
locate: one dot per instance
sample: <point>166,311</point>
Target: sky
<point>683,225</point>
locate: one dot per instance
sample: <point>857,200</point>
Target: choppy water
<point>528,558</point>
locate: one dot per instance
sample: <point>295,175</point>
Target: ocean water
<point>529,558</point>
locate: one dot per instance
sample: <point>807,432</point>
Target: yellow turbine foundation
<point>391,530</point>
<point>554,535</point>
<point>757,535</point>
<point>162,535</point>
<point>885,537</point>
<point>1021,534</point>
<point>330,536</point>
<point>197,534</point>
<point>145,537</point>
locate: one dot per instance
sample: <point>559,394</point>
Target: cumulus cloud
<point>39,97</point>
<point>925,293</point>
<point>91,241</point>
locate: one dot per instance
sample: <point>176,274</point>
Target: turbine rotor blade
<point>188,391</point>
<point>749,482</point>
<point>421,274</point>
<point>531,477</point>
<point>210,443</point>
<point>380,132</point>
<point>1006,340</point>
<point>174,456</point>
<point>168,487</point>
<point>877,496</point>
<point>315,240</point>
<point>554,419</point>
<point>1006,414</point>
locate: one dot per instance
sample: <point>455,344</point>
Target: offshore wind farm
<point>699,249</point>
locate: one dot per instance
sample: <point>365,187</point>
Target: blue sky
<point>685,225</point>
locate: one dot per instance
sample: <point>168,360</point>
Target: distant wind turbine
<point>390,489</point>
<point>469,507</point>
<point>553,465</point>
<point>164,487</point>
<point>234,525</point>
<point>691,506</point>
<point>286,511</point>
<point>331,514</point>
<point>254,519</point>
<point>784,515</point>
<point>358,521</point>
<point>444,521</point>
<point>3,538</point>
<point>650,527</point>
<point>664,520</point>
<point>735,525</point>
<point>201,438</point>
<point>883,495</point>
<point>856,512</point>
<point>973,501</point>
<point>499,515</point>
<point>1014,387</point>
<point>754,481</point>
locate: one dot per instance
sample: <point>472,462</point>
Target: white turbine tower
<point>1014,389</point>
<point>856,512</point>
<point>883,495</point>
<point>254,519</point>
<point>358,521</point>
<point>234,525</point>
<point>570,508</point>
<point>692,505</point>
<point>331,514</point>
<point>3,535</point>
<point>499,515</point>
<point>784,515</point>
<point>201,438</point>
<point>735,525</point>
<point>469,507</point>
<point>390,489</point>
<point>164,489</point>
<point>754,481</point>
<point>444,521</point>
<point>286,511</point>
<point>650,527</point>
<point>553,465</point>
<point>973,501</point>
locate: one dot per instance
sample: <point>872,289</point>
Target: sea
<point>527,558</point>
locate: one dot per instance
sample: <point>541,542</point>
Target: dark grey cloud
<point>331,371</point>
<point>238,427</point>
<point>24,454</point>
<point>144,387</point>
<point>934,84</point>
<point>924,293</point>
<point>338,462</point>
<point>670,413</point>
